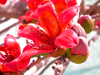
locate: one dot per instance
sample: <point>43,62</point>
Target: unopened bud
<point>86,22</point>
<point>79,53</point>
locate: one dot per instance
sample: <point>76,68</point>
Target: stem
<point>6,19</point>
<point>92,7</point>
<point>47,66</point>
<point>6,29</point>
<point>36,65</point>
<point>94,39</point>
<point>65,66</point>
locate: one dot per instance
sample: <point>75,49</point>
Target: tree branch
<point>94,38</point>
<point>6,19</point>
<point>92,7</point>
<point>61,64</point>
<point>47,66</point>
<point>83,8</point>
<point>13,9</point>
<point>36,65</point>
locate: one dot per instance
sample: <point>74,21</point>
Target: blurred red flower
<point>9,53</point>
<point>3,1</point>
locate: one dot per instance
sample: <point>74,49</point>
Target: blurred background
<point>90,67</point>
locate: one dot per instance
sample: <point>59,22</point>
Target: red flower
<point>9,54</point>
<point>3,1</point>
<point>27,18</point>
<point>51,33</point>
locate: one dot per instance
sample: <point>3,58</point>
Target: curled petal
<point>48,17</point>
<point>12,46</point>
<point>67,15</point>
<point>23,64</point>
<point>68,38</point>
<point>81,48</point>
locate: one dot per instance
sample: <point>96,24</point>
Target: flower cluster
<point>54,32</point>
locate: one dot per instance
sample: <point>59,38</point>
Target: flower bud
<point>78,29</point>
<point>86,22</point>
<point>58,52</point>
<point>79,53</point>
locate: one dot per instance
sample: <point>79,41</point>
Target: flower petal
<point>71,3</point>
<point>67,38</point>
<point>12,66</point>
<point>60,5</point>
<point>76,27</point>
<point>33,4</point>
<point>34,15</point>
<point>12,46</point>
<point>34,33</point>
<point>2,48</point>
<point>81,47</point>
<point>17,65</point>
<point>30,51</point>
<point>48,17</point>
<point>23,64</point>
<point>67,15</point>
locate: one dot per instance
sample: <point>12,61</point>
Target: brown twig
<point>47,66</point>
<point>92,7</point>
<point>94,39</point>
<point>96,29</point>
<point>36,64</point>
<point>65,66</point>
<point>60,63</point>
<point>83,8</point>
<point>6,29</point>
<point>6,19</point>
<point>13,9</point>
<point>95,16</point>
